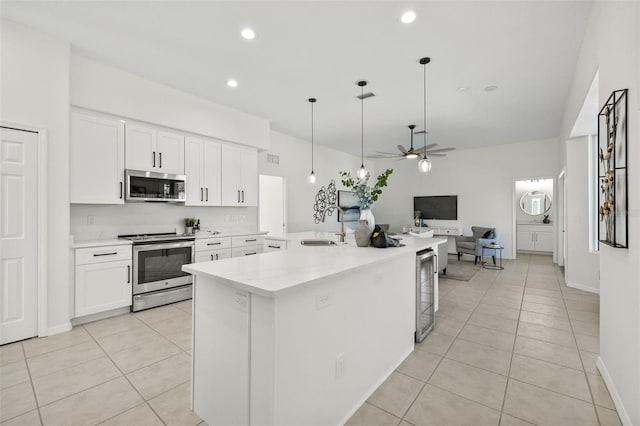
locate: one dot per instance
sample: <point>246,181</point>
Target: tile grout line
<point>33,389</point>
<point>444,355</point>
<point>130,384</point>
<point>513,349</point>
<point>593,401</point>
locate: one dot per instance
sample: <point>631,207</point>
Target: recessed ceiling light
<point>408,17</point>
<point>491,88</point>
<point>248,34</point>
<point>232,83</point>
<point>461,89</point>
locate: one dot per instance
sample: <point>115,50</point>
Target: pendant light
<point>312,175</point>
<point>424,165</point>
<point>362,172</point>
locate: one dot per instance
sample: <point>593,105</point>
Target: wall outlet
<point>322,301</point>
<point>241,301</point>
<point>340,366</point>
<point>90,219</point>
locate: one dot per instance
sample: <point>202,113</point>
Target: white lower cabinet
<point>534,238</point>
<point>103,279</point>
<point>247,245</point>
<point>274,245</point>
<point>214,248</point>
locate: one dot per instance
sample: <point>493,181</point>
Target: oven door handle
<point>149,247</point>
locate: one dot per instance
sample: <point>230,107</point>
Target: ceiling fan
<point>411,153</point>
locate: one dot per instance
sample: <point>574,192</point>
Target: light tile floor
<point>132,369</point>
<point>510,347</point>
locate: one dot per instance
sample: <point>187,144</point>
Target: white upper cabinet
<point>239,176</point>
<point>151,150</point>
<point>202,168</point>
<point>97,159</point>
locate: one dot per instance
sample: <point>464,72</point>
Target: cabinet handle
<point>248,241</point>
<point>201,196</point>
<point>211,257</point>
<point>160,155</point>
<point>214,244</point>
<point>216,256</point>
<point>238,195</point>
<point>249,254</point>
<point>128,274</point>
<point>207,197</point>
<point>105,254</point>
<point>242,195</point>
<point>154,158</point>
<point>270,246</point>
<point>121,190</point>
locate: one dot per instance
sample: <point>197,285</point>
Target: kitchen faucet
<point>324,215</point>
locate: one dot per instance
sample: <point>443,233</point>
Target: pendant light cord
<point>424,109</point>
<point>312,137</point>
<point>362,126</point>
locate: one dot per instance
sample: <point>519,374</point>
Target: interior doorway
<point>535,211</point>
<point>21,234</point>
<point>272,205</point>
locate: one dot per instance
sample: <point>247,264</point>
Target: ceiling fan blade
<point>435,155</point>
<point>402,149</point>
<point>387,153</point>
<point>440,150</point>
<point>428,147</point>
<point>401,159</point>
<point>419,132</point>
<point>382,156</point>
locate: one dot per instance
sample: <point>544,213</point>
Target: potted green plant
<point>189,222</point>
<point>367,195</point>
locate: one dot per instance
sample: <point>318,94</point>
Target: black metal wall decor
<point>613,201</point>
<point>324,197</point>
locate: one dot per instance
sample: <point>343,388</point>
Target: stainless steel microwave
<point>154,187</point>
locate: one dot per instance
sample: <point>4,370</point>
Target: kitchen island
<point>301,336</point>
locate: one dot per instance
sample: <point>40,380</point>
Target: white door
<point>231,175</point>
<point>170,153</point>
<point>211,173</point>
<point>272,205</point>
<point>18,235</point>
<point>97,159</point>
<point>249,190</point>
<point>140,148</point>
<point>193,171</point>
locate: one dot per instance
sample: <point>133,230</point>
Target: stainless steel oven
<point>158,278</point>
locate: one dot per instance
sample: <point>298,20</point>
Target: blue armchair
<point>473,244</point>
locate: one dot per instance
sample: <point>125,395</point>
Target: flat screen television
<point>441,207</point>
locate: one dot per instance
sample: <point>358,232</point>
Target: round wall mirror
<point>535,203</point>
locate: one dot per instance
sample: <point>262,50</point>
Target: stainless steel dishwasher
<point>426,271</point>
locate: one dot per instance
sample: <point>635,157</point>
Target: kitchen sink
<point>316,243</point>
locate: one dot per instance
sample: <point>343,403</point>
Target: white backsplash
<point>89,222</point>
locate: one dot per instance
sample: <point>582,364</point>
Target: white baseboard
<point>58,329</point>
<point>613,391</point>
<point>583,287</point>
<point>101,315</point>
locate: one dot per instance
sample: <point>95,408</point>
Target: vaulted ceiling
<point>528,49</point>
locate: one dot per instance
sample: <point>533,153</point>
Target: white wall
<point>35,92</point>
<point>482,179</point>
<point>107,89</point>
<point>612,46</point>
<point>582,265</point>
<point>534,184</point>
<point>295,165</point>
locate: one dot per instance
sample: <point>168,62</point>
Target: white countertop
<point>117,241</point>
<point>271,274</point>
